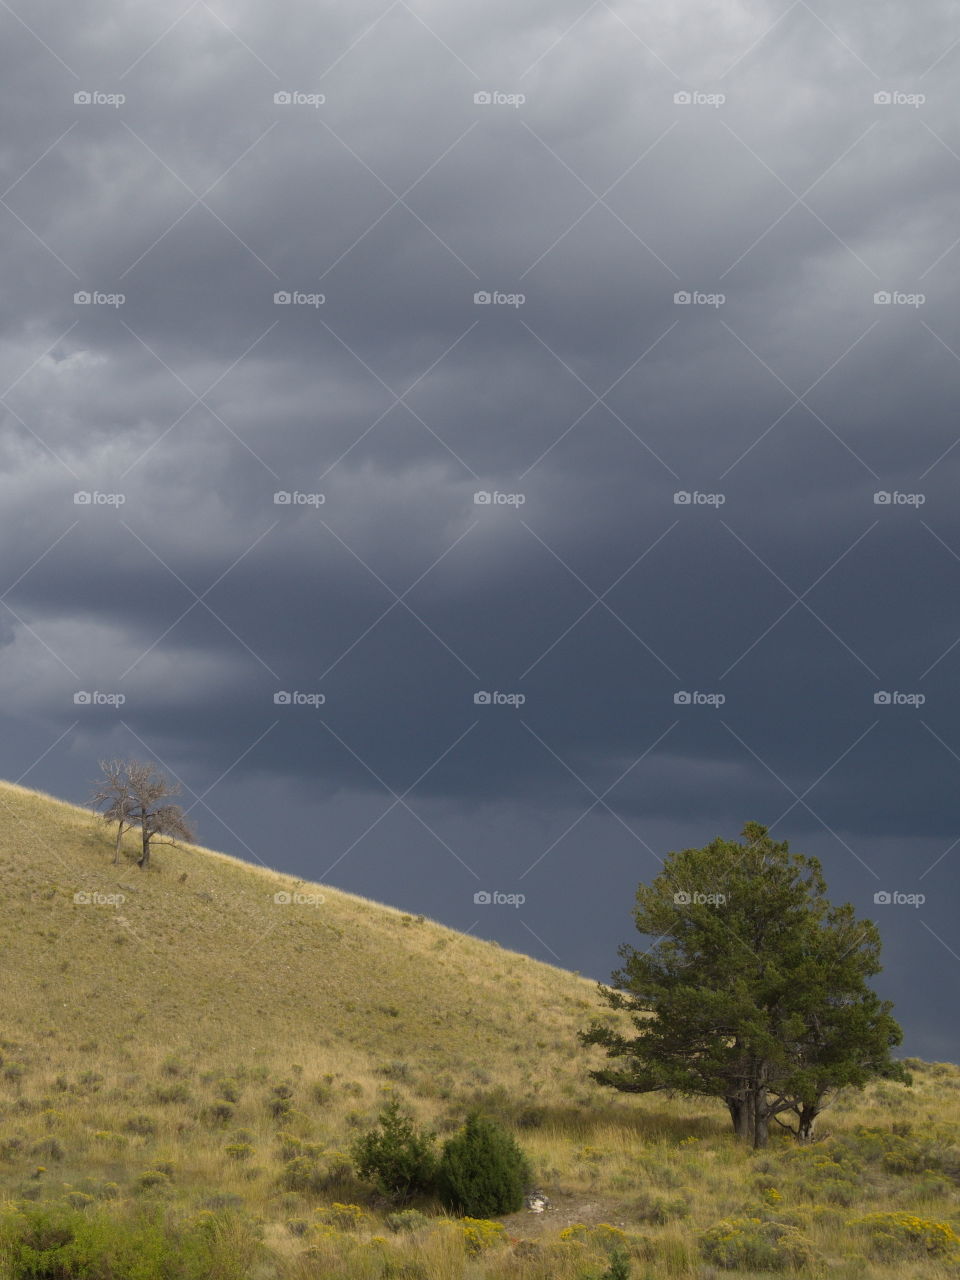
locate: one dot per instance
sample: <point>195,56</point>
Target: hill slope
<point>198,951</point>
<point>184,1060</point>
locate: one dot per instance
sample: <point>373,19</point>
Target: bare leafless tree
<point>133,794</point>
<point>114,797</point>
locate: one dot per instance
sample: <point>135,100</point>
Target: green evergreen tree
<point>482,1172</point>
<point>396,1155</point>
<point>755,990</point>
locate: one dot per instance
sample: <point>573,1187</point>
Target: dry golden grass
<point>126,1028</point>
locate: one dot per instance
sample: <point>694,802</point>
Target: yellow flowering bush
<point>899,1235</point>
<point>752,1244</point>
<point>481,1233</point>
<point>604,1236</point>
<point>346,1217</point>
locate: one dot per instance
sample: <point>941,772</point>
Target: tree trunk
<point>761,1117</point>
<point>805,1124</point>
<point>116,851</point>
<point>144,859</point>
<point>742,1117</point>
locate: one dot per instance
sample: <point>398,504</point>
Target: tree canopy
<point>133,794</point>
<point>754,990</point>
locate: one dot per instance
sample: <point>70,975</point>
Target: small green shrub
<point>303,1173</point>
<point>619,1268</point>
<point>223,1200</point>
<point>228,1089</point>
<point>151,1179</point>
<point>744,1244</point>
<point>171,1093</point>
<point>396,1155</point>
<point>407,1220</point>
<point>320,1092</point>
<point>50,1148</point>
<point>219,1113</point>
<point>78,1199</point>
<point>660,1209</point>
<point>482,1171</point>
<point>280,1101</point>
<point>58,1243</point>
<point>142,1125</point>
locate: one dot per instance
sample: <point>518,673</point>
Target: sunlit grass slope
<point>179,1048</point>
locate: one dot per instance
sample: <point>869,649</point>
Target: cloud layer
<point>675,288</point>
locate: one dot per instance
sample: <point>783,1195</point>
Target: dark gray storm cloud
<point>720,249</point>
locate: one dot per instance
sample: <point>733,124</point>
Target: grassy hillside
<point>185,1061</point>
<point>199,956</point>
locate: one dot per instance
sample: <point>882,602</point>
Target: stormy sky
<point>481,448</point>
